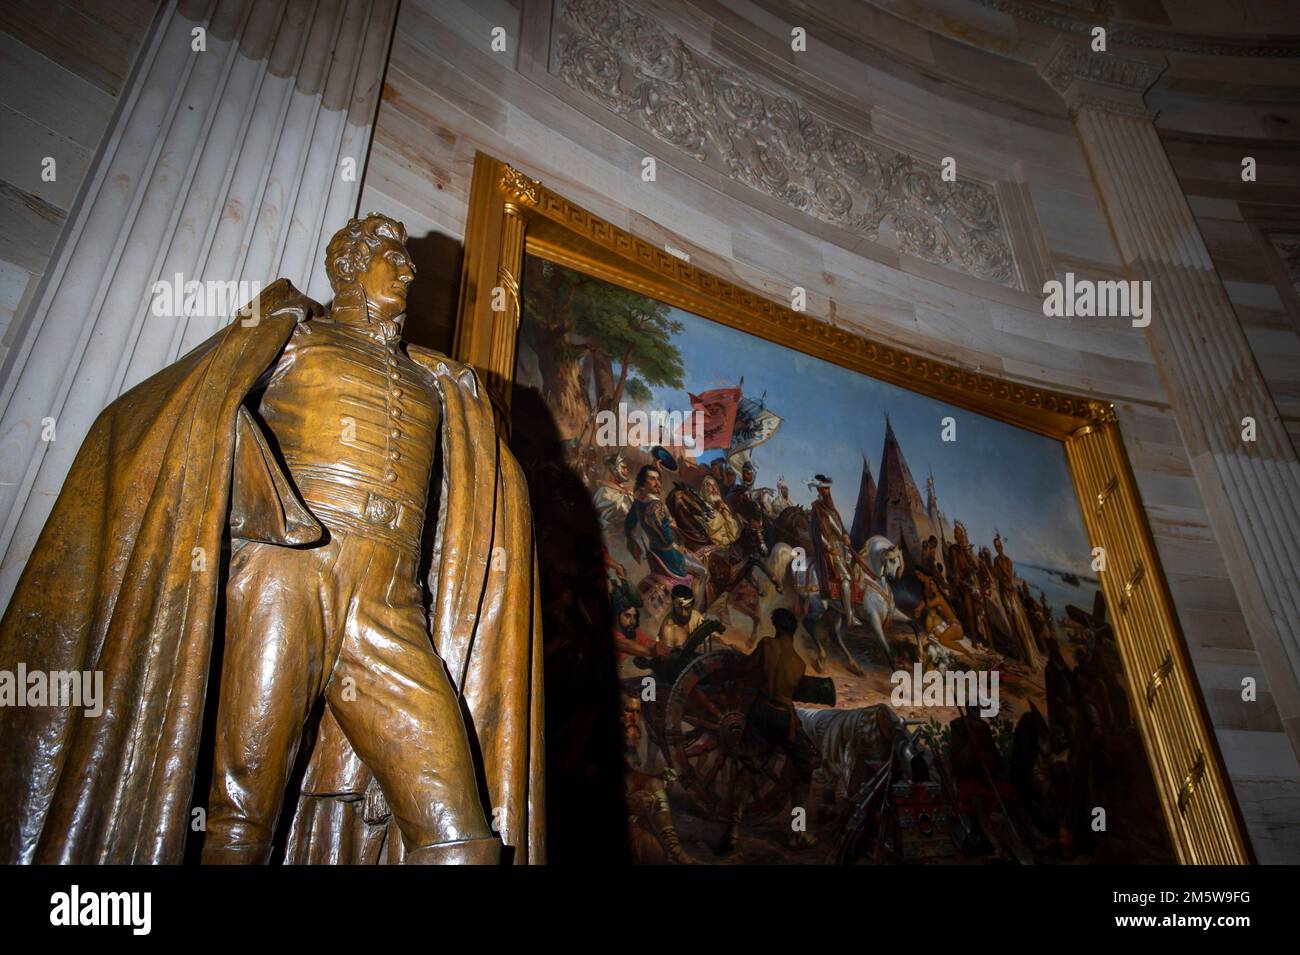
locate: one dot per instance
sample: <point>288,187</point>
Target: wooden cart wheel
<point>716,757</point>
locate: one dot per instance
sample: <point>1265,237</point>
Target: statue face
<point>386,278</point>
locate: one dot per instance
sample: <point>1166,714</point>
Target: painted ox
<point>852,743</point>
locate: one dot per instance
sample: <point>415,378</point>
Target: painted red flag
<point>718,408</point>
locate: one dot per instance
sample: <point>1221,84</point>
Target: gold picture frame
<point>510,214</point>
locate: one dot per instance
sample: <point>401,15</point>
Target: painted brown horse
<point>730,566</point>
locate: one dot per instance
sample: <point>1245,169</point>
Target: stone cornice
<point>1143,37</point>
<point>1106,81</point>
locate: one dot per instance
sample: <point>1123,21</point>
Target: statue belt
<point>365,512</point>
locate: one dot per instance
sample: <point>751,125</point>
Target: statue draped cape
<point>126,579</point>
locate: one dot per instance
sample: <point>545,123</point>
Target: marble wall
<point>63,66</point>
<point>236,154</point>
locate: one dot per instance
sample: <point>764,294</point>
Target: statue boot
<point>465,852</point>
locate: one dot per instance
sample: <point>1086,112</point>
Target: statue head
<point>367,260</point>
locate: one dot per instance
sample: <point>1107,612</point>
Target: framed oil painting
<point>808,599</point>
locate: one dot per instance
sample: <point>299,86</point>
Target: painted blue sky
<point>995,476</point>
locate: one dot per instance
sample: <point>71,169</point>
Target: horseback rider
<point>778,504</point>
<point>648,522</point>
<point>832,550</point>
<point>724,474</point>
<point>723,529</point>
<point>743,499</point>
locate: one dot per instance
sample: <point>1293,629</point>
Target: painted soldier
<point>743,498</point>
<point>649,530</point>
<point>776,504</point>
<point>724,474</point>
<point>1005,577</point>
<point>612,497</point>
<point>680,621</point>
<point>652,835</point>
<point>832,549</point>
<point>723,528</point>
<point>963,579</point>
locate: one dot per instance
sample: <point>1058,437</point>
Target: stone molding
<point>1102,81</point>
<point>638,69</point>
<point>1145,37</point>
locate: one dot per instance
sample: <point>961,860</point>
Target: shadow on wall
<point>586,809</point>
<point>434,295</point>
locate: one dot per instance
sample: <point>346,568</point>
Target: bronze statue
<point>308,438</point>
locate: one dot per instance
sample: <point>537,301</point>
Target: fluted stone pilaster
<point>1251,488</point>
<point>234,163</point>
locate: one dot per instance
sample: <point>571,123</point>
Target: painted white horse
<point>878,609</point>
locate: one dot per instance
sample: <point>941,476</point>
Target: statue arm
<point>263,503</point>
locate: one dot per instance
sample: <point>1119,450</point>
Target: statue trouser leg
<point>344,621</point>
<point>393,700</point>
<point>275,640</point>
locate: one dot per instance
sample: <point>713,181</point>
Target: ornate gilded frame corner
<point>510,214</point>
<point>487,325</point>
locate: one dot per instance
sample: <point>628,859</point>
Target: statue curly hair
<point>349,251</point>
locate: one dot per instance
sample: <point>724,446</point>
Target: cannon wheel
<point>714,757</point>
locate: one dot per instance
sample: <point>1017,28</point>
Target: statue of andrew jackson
<point>308,437</point>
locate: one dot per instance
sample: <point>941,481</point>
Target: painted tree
<point>551,307</point>
<point>580,328</point>
<point>634,333</point>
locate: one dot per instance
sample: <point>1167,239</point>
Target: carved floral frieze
<point>634,66</point>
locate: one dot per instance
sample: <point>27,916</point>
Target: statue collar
<point>349,310</point>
